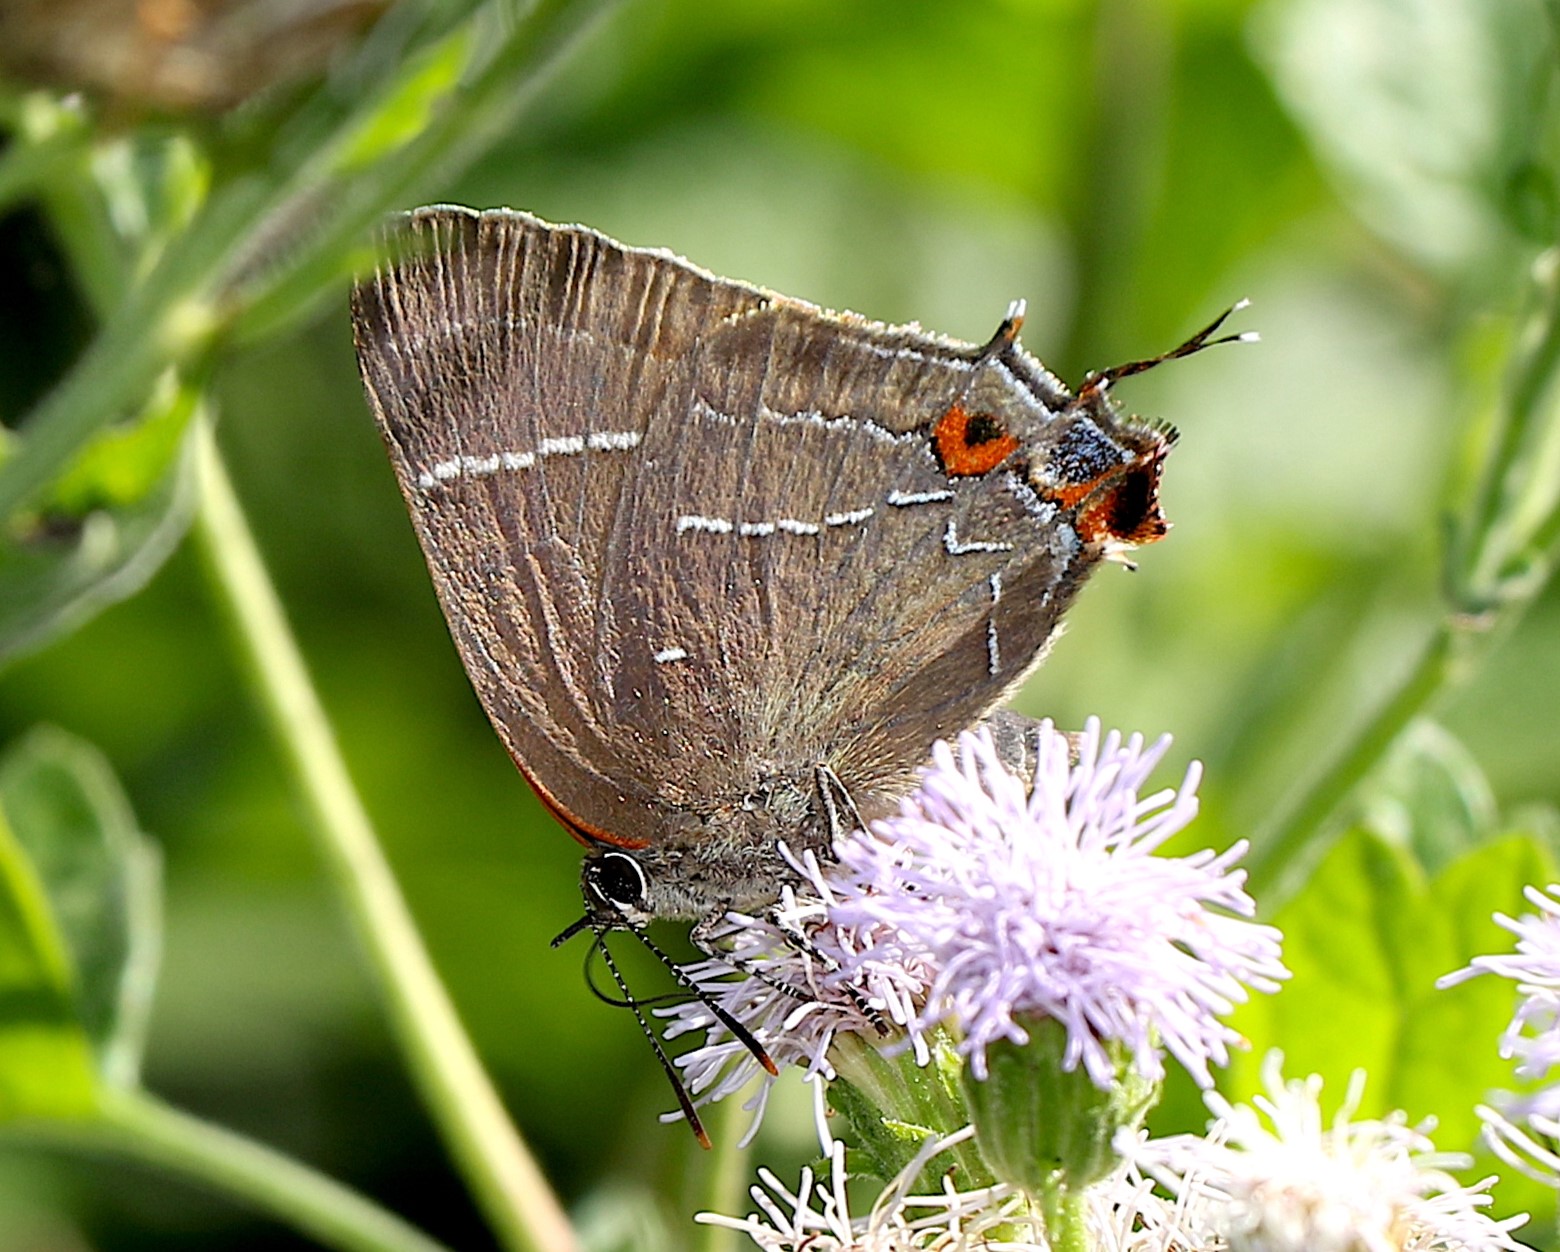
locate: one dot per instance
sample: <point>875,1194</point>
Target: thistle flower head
<point>1047,900</point>
<point>991,899</point>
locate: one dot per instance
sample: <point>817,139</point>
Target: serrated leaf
<point>45,1059</point>
<point>1366,942</point>
<point>893,1105</point>
<point>882,1146</point>
<point>100,877</point>
<point>110,523</point>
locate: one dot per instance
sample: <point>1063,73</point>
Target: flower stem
<point>490,1155</point>
<point>1120,150</point>
<point>726,1170</point>
<point>1065,1215</point>
<point>1280,861</point>
<point>139,1127</point>
<point>1500,557</point>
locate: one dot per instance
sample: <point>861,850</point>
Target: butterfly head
<point>616,890</point>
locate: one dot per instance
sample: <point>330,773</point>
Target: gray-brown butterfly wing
<point>690,535</point>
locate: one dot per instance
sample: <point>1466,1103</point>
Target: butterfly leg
<point>1016,739</point>
<point>805,947</point>
<point>839,809</point>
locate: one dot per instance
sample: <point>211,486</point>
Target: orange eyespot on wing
<point>1072,495</point>
<point>970,444</point>
<point>1126,511</point>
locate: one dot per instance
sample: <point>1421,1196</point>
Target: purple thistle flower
<point>983,903</point>
<point>1049,902</point>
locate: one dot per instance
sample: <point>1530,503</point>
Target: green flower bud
<point>1041,1127</point>
<point>893,1105</point>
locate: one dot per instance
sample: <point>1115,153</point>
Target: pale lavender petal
<point>1524,1130</point>
<point>1050,902</point>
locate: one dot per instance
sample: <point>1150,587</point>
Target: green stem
<point>139,1127</point>
<point>1546,538</point>
<point>1120,164</point>
<point>1281,858</point>
<point>1066,1219</point>
<point>1475,567</point>
<point>271,239</point>
<point>527,43</point>
<point>168,320</point>
<point>503,1176</point>
<point>1495,569</point>
<point>726,1169</point>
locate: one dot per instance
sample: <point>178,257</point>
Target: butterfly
<point>722,565</point>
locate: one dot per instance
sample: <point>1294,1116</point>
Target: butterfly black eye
<point>616,880</point>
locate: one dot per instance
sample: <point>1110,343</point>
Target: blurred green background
<point>1372,174</point>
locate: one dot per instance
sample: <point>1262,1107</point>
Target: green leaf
<point>100,876</point>
<point>882,1145</point>
<point>108,525</point>
<point>43,138</point>
<point>1448,88</point>
<point>1430,796</point>
<point>45,1060</point>
<point>408,107</point>
<point>893,1105</point>
<point>1366,942</point>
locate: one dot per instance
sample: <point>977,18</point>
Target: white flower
<point>1126,1214</point>
<point>1278,1178</point>
<point>1123,1213</point>
<point>815,1217</point>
